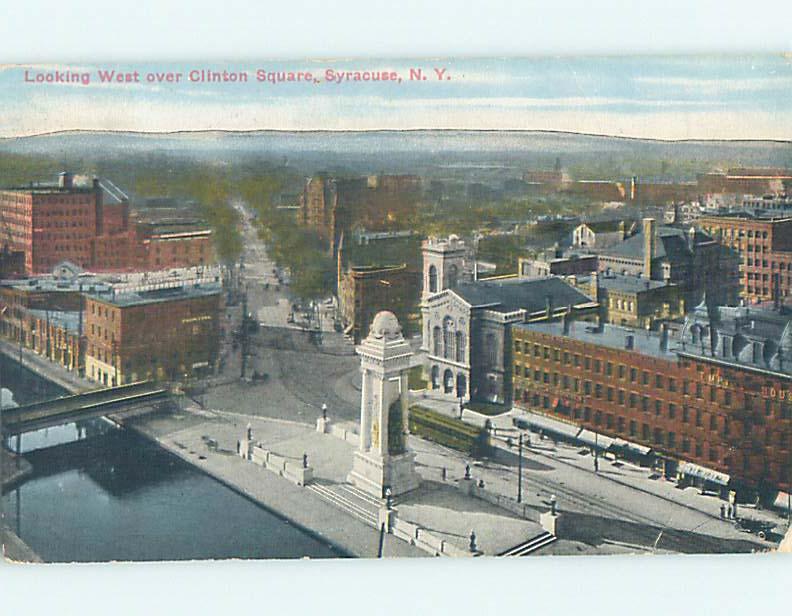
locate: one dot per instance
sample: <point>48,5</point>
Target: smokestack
<point>549,306</point>
<point>663,337</point>
<point>650,245</point>
<point>567,320</point>
<point>65,180</point>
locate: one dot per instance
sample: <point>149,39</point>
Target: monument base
<point>372,473</point>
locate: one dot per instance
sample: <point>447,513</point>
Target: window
<point>633,375</point>
<point>671,410</point>
<point>658,381</point>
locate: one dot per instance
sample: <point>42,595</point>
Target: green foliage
<point>448,431</point>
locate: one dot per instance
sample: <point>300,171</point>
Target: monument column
<point>385,361</point>
<point>365,412</point>
<point>382,418</point>
<point>404,391</point>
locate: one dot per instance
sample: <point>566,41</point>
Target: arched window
<point>448,382</point>
<point>448,338</point>
<point>460,347</point>
<point>435,377</point>
<point>437,341</point>
<point>432,279</point>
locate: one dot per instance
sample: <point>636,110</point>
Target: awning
<point>548,424</point>
<point>707,474</point>
<point>594,439</point>
<point>629,447</point>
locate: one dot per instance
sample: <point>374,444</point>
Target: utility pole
<point>244,342</point>
<point>519,469</point>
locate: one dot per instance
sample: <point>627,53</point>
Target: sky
<point>661,97</point>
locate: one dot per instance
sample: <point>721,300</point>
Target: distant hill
<point>394,150</point>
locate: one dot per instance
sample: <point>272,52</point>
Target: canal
<point>99,493</point>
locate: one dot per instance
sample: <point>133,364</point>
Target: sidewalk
<point>636,486</point>
<point>49,370</point>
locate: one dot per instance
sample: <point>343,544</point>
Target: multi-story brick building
<point>44,315</point>
<point>364,291</point>
<point>762,242</point>
<point>166,333</point>
<point>714,406</point>
<point>91,227</point>
<point>335,206</point>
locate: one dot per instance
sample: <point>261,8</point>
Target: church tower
<point>382,460</point>
<point>443,263</point>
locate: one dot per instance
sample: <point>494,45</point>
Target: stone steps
<point>537,543</point>
<point>357,510</point>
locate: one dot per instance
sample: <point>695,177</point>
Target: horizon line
<point>251,131</point>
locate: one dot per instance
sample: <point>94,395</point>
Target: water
<point>98,493</point>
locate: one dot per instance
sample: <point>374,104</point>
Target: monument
<point>382,460</point>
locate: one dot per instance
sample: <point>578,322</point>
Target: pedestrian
<point>730,511</point>
<point>723,511</point>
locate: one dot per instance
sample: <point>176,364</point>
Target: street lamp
<point>324,411</point>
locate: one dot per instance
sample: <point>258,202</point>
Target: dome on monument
<point>385,325</point>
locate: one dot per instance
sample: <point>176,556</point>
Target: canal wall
<point>301,507</point>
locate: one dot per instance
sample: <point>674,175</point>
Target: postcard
<point>387,308</point>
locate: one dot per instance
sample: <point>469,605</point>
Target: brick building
<point>336,206</point>
<point>746,181</point>
<point>91,226</point>
<point>713,407</point>
<point>44,315</point>
<point>364,291</point>
<point>762,242</point>
<point>166,333</point>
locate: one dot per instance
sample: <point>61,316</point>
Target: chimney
<point>65,180</point>
<point>663,337</point>
<point>567,320</point>
<point>549,306</point>
<point>691,239</point>
<point>629,342</point>
<point>650,245</point>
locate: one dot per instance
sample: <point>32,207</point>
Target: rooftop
<point>627,284</point>
<point>672,244</point>
<point>511,294</point>
<point>613,336</point>
<point>158,295</point>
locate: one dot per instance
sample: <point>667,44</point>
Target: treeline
<point>291,246</point>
